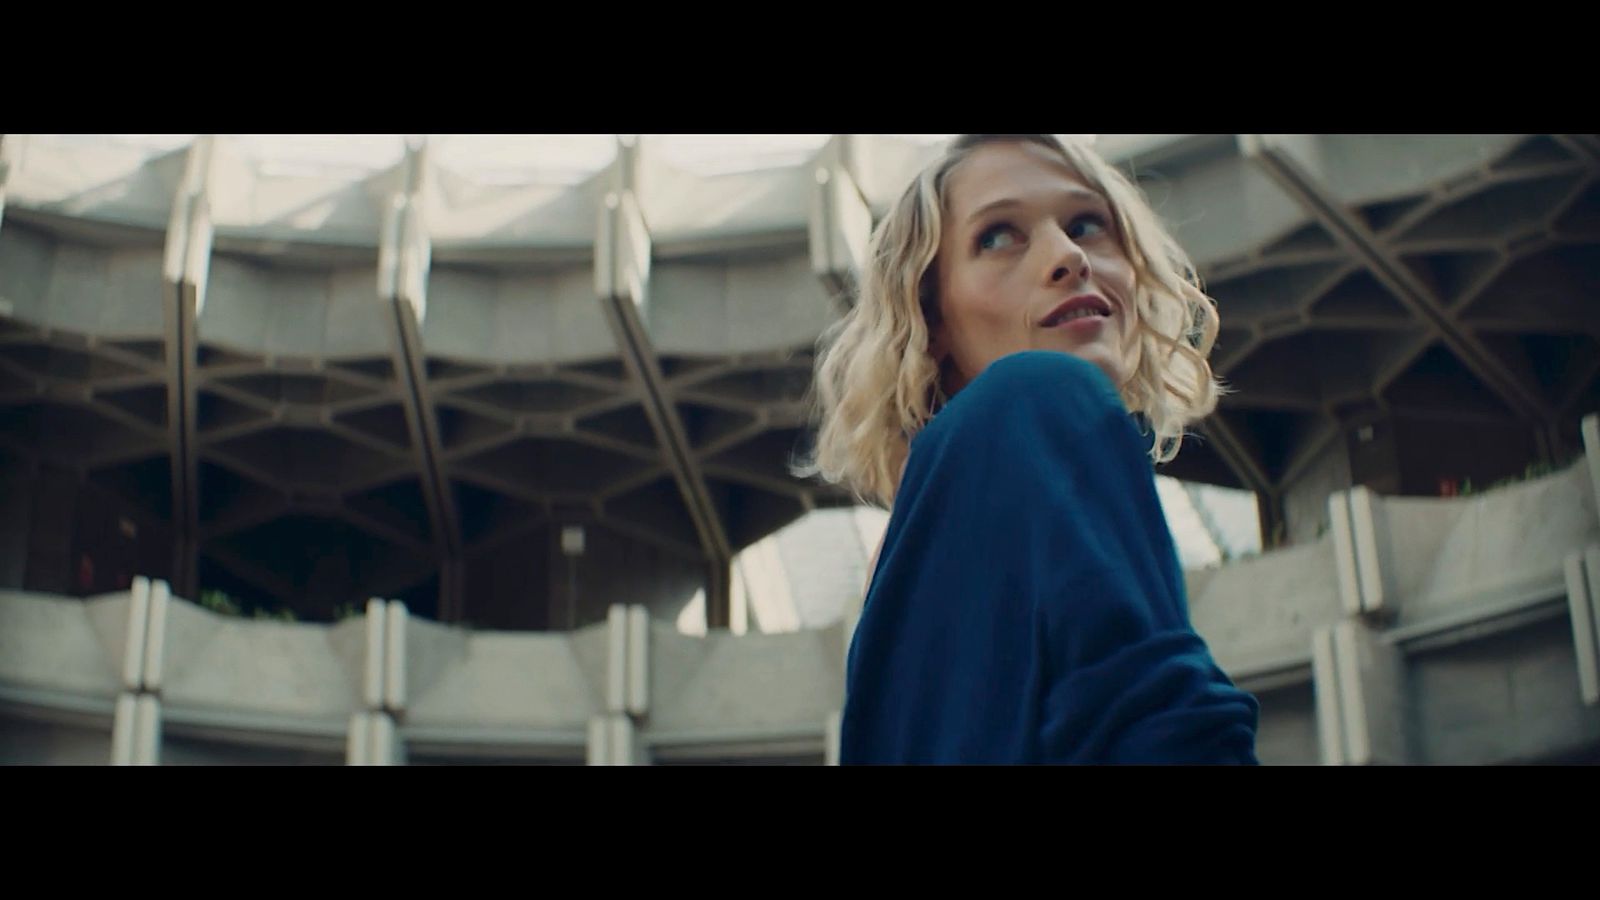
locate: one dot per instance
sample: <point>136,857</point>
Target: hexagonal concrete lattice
<point>296,387</point>
<point>306,458</point>
<point>629,424</point>
<point>787,384</point>
<point>553,467</point>
<point>535,396</point>
<point>74,433</point>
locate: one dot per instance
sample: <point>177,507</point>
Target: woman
<point>1026,343</point>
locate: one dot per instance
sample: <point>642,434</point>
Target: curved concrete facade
<point>1448,631</point>
<point>307,388</point>
<point>247,362</point>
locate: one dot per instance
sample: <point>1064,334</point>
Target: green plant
<point>281,615</point>
<point>1530,472</point>
<point>221,603</point>
<point>218,602</point>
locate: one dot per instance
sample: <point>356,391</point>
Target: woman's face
<point>1030,259</point>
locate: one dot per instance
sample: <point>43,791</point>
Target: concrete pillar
<point>136,722</point>
<point>1582,571</point>
<point>614,735</point>
<point>1359,680</point>
<point>613,741</point>
<point>1362,546</point>
<point>374,737</point>
<point>1583,606</point>
<point>831,731</point>
<point>186,271</point>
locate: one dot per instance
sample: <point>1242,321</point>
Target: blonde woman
<point>1027,342</point>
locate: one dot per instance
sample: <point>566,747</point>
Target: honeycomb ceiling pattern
<point>1468,296</point>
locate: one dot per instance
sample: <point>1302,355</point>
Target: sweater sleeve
<point>1028,605</point>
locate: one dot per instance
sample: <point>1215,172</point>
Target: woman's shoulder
<point>1030,386</point>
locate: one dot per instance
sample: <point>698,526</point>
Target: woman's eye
<point>1087,225</point>
<point>998,237</point>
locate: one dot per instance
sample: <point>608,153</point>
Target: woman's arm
<point>1029,606</point>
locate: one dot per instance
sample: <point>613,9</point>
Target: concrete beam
<point>1386,267</point>
<point>622,278</point>
<point>1585,146</point>
<point>840,220</point>
<point>1233,452</point>
<point>1311,449</point>
<point>404,259</point>
<point>1249,472</point>
<point>185,272</point>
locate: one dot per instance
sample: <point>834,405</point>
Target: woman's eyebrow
<point>1006,202</point>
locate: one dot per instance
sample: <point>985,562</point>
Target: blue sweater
<point>1028,605</point>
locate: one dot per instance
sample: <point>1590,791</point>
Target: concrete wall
<point>487,680</point>
<point>1465,655</point>
<point>85,287</point>
<point>1260,612</point>
<point>724,685</point>
<point>1511,697</point>
<point>300,312</point>
<point>825,563</point>
<point>30,742</point>
<point>1287,733</point>
<point>1447,555</point>
<point>270,202</point>
<point>278,670</point>
<point>737,305</point>
<point>492,316</point>
<point>61,644</point>
<point>16,517</point>
<point>183,750</point>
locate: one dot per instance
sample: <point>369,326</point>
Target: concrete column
<point>831,731</point>
<point>186,268</point>
<point>1583,605</point>
<point>136,722</point>
<point>1359,680</point>
<point>1362,550</point>
<point>614,735</point>
<point>613,741</point>
<point>374,737</point>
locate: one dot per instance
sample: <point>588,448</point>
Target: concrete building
<point>541,411</point>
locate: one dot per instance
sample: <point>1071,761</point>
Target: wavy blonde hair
<point>876,385</point>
